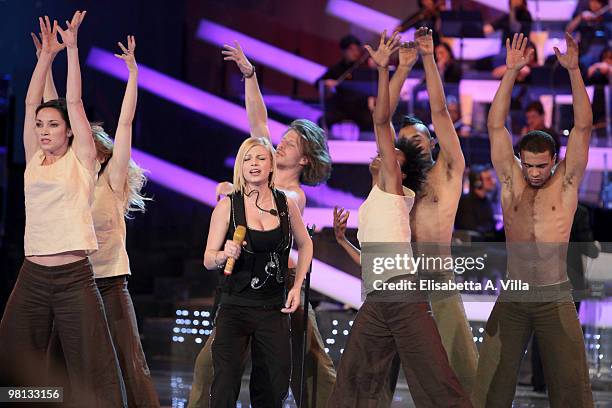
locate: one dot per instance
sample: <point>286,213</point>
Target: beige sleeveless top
<point>58,200</point>
<point>111,259</point>
<point>385,217</point>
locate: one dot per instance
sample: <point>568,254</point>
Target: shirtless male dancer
<point>538,203</point>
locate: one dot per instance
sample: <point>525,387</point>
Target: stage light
<point>266,54</point>
<point>362,16</point>
<point>558,10</point>
<point>198,340</point>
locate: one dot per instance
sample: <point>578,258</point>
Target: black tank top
<point>258,277</point>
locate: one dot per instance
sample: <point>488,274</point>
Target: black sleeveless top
<point>259,272</point>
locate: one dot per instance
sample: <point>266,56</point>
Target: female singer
<point>251,303</point>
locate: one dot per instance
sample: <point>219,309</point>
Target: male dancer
<point>538,204</point>
<point>433,215</point>
<point>302,156</point>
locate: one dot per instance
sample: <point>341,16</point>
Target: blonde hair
<point>136,177</point>
<point>239,181</point>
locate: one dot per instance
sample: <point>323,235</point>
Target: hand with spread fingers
<point>569,60</point>
<point>128,53</point>
<point>424,39</point>
<point>69,35</point>
<point>408,54</point>
<point>386,48</point>
<point>236,54</point>
<point>517,55</point>
<point>340,220</point>
<point>48,35</point>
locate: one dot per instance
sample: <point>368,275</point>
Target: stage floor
<point>174,386</point>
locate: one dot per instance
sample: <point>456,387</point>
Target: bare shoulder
<point>296,195</point>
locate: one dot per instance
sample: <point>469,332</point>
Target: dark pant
<point>268,330</point>
<point>382,329</point>
<point>537,370</point>
<point>124,332</point>
<point>320,372</point>
<point>66,295</point>
<point>556,326</point>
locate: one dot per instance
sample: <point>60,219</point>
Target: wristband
<point>250,75</point>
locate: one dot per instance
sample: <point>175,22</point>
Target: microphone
<point>239,235</point>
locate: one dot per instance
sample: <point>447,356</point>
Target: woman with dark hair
<point>253,306</point>
<point>117,194</point>
<point>56,282</point>
<point>450,70</point>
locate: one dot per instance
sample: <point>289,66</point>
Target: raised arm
<point>83,142</point>
<point>304,247</point>
<point>49,49</point>
<point>407,58</point>
<point>122,151</point>
<point>502,153</point>
<point>340,220</point>
<point>577,153</point>
<point>450,148</point>
<point>255,106</point>
<point>391,180</point>
<point>50,92</point>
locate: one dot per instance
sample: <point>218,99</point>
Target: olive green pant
<point>561,341</point>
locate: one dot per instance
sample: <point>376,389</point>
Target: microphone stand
<point>311,230</point>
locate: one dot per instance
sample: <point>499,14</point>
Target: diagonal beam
<point>214,107</point>
<point>264,53</point>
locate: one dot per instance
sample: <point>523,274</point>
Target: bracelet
<point>219,266</point>
<point>250,75</point>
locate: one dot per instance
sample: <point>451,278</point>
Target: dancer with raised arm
<point>117,194</point>
<point>56,281</point>
<point>302,157</point>
<point>435,206</point>
<point>384,327</point>
<point>539,200</point>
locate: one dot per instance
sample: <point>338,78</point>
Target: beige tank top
<point>58,200</point>
<point>383,217</point>
<point>111,259</point>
